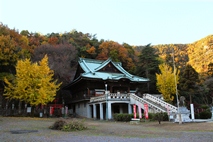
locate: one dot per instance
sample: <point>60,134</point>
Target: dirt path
<point>103,131</point>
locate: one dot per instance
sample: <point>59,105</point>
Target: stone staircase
<point>155,104</point>
<point>160,103</point>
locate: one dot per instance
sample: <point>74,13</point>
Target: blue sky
<point>136,22</point>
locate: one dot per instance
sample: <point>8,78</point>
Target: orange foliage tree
<point>117,52</point>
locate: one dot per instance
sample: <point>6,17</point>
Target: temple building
<point>103,88</point>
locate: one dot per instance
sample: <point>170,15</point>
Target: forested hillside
<point>63,50</point>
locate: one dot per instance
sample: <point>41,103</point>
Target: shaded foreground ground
<point>37,129</point>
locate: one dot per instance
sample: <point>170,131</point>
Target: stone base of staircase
<point>135,121</point>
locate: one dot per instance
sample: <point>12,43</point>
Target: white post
<point>101,111</point>
<point>192,112</point>
<point>89,111</point>
<point>212,112</point>
<point>129,108</point>
<point>109,111</point>
<point>94,111</point>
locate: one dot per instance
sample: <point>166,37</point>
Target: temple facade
<point>100,86</point>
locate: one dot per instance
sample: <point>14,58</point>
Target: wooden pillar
<point>88,92</point>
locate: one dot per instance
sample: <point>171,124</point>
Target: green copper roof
<point>92,68</point>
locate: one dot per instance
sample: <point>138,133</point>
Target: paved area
<point>36,130</point>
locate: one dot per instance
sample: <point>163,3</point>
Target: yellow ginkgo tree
<point>33,83</point>
<point>166,82</point>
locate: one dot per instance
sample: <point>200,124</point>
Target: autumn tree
<point>13,47</point>
<point>200,54</point>
<point>33,84</point>
<point>117,52</point>
<point>167,51</point>
<point>10,52</point>
<point>62,60</point>
<point>166,82</point>
<point>188,82</point>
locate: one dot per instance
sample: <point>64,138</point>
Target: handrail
<point>110,96</point>
<point>97,99</point>
<point>152,101</point>
<point>160,102</point>
<point>143,101</point>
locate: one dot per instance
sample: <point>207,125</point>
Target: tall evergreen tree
<point>188,82</point>
<point>210,69</point>
<point>148,66</point>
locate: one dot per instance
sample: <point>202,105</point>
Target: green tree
<point>33,84</point>
<point>210,69</point>
<point>188,82</point>
<point>148,66</point>
<point>209,83</point>
<point>166,82</point>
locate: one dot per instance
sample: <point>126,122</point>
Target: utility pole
<point>179,115</point>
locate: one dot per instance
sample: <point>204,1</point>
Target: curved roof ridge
<point>103,64</point>
<point>122,69</point>
<point>82,60</point>
<point>88,67</point>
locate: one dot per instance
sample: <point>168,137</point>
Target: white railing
<point>153,102</point>
<point>143,101</point>
<point>160,102</point>
<point>118,96</point>
<point>110,96</point>
<point>98,99</point>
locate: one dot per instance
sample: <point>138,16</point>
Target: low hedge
<point>122,117</point>
<point>127,117</point>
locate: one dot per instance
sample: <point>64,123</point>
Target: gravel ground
<point>37,130</point>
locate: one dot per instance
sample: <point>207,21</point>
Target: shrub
<point>205,107</point>
<point>158,116</point>
<point>151,116</point>
<point>132,115</point>
<point>165,116</point>
<point>197,116</point>
<point>58,125</point>
<point>74,125</point>
<point>206,114</point>
<point>122,117</point>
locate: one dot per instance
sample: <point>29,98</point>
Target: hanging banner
<point>51,111</point>
<point>66,110</point>
<point>146,111</point>
<point>139,111</point>
<point>167,107</point>
<point>134,109</point>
